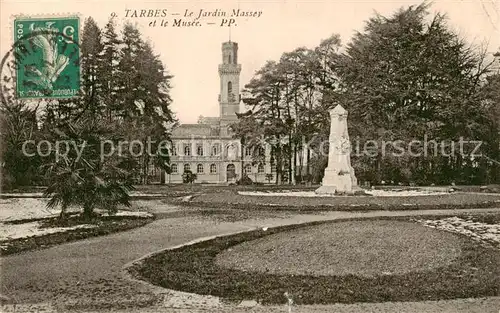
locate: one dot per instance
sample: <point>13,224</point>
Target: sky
<point>192,54</point>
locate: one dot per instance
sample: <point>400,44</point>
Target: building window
<point>174,168</point>
<point>174,150</point>
<point>273,168</point>
<point>199,150</point>
<point>248,169</point>
<point>215,150</point>
<point>199,168</point>
<point>260,169</point>
<point>248,151</point>
<point>187,149</point>
<point>213,169</point>
<point>262,151</point>
<point>187,167</point>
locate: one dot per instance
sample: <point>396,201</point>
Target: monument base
<point>333,190</point>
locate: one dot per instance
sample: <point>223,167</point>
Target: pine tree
<point>108,69</point>
<point>128,80</point>
<point>91,53</point>
<point>143,95</point>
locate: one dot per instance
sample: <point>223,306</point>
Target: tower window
<point>229,58</point>
<point>229,88</point>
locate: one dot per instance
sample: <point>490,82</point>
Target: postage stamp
<point>47,54</point>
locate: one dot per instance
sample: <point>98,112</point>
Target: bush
<point>245,181</point>
<point>188,177</point>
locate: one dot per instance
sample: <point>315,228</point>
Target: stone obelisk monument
<point>339,175</point>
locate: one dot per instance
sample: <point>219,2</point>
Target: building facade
<point>208,147</point>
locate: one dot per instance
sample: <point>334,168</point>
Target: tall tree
<point>490,99</point>
<point>405,77</point>
<point>19,162</point>
<point>108,69</point>
<point>143,94</point>
<point>91,54</point>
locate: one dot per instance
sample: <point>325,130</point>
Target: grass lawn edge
<point>25,244</point>
<point>333,207</point>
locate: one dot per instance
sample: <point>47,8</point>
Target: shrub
<point>189,177</point>
<point>245,180</point>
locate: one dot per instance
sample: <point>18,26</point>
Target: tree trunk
<point>294,166</point>
<point>308,165</point>
<point>291,178</point>
<point>87,212</point>
<point>279,163</point>
<point>62,215</point>
<point>242,157</point>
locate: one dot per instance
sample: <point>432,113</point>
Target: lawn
<point>365,248</point>
<point>342,261</point>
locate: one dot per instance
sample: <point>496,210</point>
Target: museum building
<point>208,147</point>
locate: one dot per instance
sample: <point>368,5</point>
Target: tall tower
<point>229,72</point>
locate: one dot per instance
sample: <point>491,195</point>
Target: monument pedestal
<point>344,183</point>
<point>339,175</point>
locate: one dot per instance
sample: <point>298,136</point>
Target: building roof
<point>195,130</point>
<point>209,120</point>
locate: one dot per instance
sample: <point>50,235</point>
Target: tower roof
<point>229,44</point>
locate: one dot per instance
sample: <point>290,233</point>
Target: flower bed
<point>486,233</point>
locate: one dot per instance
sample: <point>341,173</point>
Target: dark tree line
<point>404,77</point>
<point>124,97</point>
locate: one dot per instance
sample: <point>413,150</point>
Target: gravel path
<point>86,276</point>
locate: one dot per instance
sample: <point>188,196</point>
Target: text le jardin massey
<point>192,18</point>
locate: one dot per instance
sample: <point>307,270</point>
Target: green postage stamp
<point>47,57</point>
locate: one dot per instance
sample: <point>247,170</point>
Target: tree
<point>143,95</point>
<point>91,54</point>
<point>19,162</point>
<point>264,92</point>
<point>245,129</point>
<point>403,78</point>
<point>490,99</point>
<point>81,176</point>
<point>108,69</point>
<point>188,177</point>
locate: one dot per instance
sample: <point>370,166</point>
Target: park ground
<point>89,275</point>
